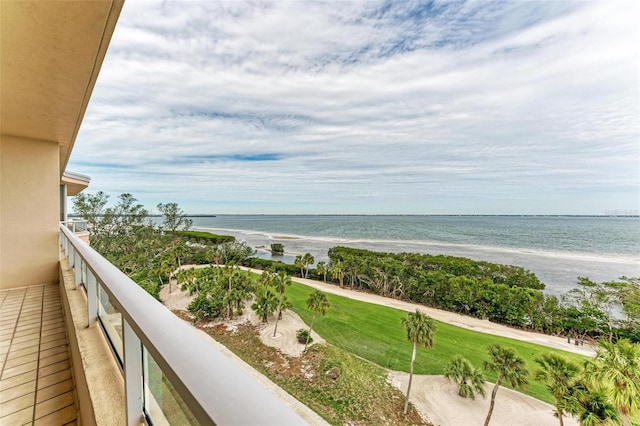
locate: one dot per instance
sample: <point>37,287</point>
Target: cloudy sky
<point>470,107</point>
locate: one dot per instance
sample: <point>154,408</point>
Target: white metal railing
<point>173,374</point>
<point>76,225</point>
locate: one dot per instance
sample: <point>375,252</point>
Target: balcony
<point>36,382</point>
<point>128,358</point>
<point>78,227</point>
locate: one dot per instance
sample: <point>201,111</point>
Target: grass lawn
<point>376,333</point>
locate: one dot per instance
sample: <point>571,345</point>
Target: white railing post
<point>132,375</point>
<point>77,266</point>
<point>92,297</point>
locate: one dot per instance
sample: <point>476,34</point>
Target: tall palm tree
<point>280,281</point>
<point>337,271</point>
<point>559,376</point>
<point>318,303</point>
<point>307,260</point>
<point>420,329</point>
<point>298,262</point>
<point>617,367</point>
<point>321,269</point>
<point>509,366</point>
<point>469,379</point>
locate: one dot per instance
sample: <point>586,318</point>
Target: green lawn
<point>376,333</point>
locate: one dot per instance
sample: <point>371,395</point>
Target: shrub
<point>277,248</point>
<point>205,307</point>
<point>302,336</point>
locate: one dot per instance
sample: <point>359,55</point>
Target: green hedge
<point>254,262</point>
<point>204,237</point>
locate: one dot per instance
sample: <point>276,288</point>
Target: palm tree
<point>300,264</point>
<point>318,303</point>
<point>267,277</point>
<point>265,304</point>
<point>321,269</point>
<point>337,271</point>
<point>307,260</point>
<point>591,405</point>
<point>559,376</point>
<point>509,366</point>
<point>420,329</point>
<point>617,367</point>
<point>469,379</point>
<point>280,281</point>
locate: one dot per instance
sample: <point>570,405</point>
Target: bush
<point>276,265</point>
<point>302,336</point>
<point>205,307</point>
<point>277,248</point>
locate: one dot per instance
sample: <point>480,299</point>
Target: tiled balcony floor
<point>35,383</point>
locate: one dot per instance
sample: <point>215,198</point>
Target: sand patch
<point>437,400</point>
<point>285,339</point>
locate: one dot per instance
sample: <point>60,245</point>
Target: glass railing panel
<point>162,403</point>
<point>111,321</point>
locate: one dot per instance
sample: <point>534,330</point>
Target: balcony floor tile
<point>36,386</point>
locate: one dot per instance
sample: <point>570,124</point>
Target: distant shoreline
<point>418,215</point>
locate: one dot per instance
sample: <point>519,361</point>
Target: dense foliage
<point>219,291</point>
<point>204,237</point>
<point>502,293</point>
<point>148,254</point>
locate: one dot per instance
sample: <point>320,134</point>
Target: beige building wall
<point>29,210</point>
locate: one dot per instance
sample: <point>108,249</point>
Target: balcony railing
<point>172,372</point>
<point>76,225</point>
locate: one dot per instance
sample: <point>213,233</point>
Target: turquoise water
<point>557,249</point>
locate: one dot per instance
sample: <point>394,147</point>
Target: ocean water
<point>558,249</point>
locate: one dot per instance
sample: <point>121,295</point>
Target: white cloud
<point>469,107</point>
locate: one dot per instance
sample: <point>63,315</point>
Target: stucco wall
<point>29,210</point>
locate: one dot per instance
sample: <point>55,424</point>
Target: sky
<point>369,107</point>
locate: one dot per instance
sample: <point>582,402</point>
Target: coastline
<point>559,271</point>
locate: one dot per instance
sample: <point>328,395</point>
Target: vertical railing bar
<point>77,265</point>
<point>132,375</point>
<point>92,298</point>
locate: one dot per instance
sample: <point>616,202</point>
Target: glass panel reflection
<point>161,401</point>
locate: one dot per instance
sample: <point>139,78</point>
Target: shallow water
<point>556,249</point>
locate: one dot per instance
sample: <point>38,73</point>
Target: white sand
<point>437,400</point>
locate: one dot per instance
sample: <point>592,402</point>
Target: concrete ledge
<point>96,374</point>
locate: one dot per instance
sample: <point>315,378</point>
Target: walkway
<point>35,379</point>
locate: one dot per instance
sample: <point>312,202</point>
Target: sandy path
<point>437,399</point>
<point>475,324</point>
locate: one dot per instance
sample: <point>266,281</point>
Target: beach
<point>558,270</point>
